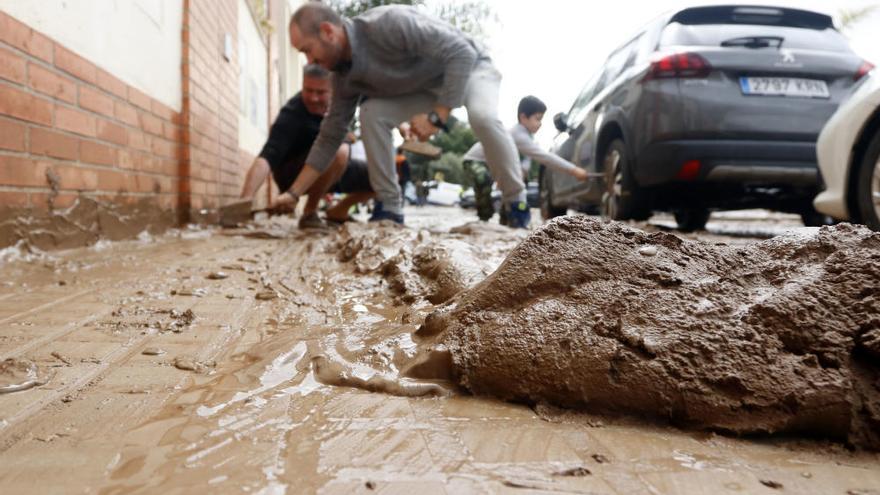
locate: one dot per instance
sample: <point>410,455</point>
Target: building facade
<point>163,102</point>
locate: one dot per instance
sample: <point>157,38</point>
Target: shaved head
<point>309,17</point>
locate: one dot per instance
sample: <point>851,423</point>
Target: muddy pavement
<point>268,360</point>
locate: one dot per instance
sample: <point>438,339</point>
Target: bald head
<point>317,31</point>
<point>309,17</point>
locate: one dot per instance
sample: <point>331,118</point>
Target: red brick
<point>13,135</point>
<point>75,121</point>
<point>76,178</point>
<point>162,111</point>
<point>171,131</point>
<point>112,132</point>
<point>125,159</point>
<point>12,66</point>
<point>22,172</point>
<point>54,144</point>
<point>50,83</point>
<point>75,65</point>
<point>151,124</point>
<point>164,148</point>
<point>25,106</point>
<point>109,83</point>
<point>41,200</point>
<point>24,38</point>
<point>97,153</point>
<point>139,99</point>
<point>95,101</point>
<point>13,199</point>
<point>112,180</point>
<point>139,141</point>
<point>146,184</point>
<point>126,113</point>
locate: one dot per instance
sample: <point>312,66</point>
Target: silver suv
<point>707,108</point>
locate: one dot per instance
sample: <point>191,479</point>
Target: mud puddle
<point>349,380</point>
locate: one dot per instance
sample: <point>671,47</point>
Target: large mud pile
<point>778,336</point>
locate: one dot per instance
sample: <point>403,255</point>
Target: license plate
<point>784,86</point>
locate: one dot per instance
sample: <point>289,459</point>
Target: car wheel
<point>621,199</point>
<point>692,219</point>
<point>813,218</point>
<point>545,194</point>
<point>868,190</point>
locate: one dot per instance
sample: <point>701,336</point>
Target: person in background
<point>530,113</point>
<point>290,139</point>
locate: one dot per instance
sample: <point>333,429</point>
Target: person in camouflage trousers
<point>477,173</point>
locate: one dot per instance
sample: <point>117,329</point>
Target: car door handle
<point>597,107</point>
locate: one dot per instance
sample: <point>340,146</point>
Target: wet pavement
<point>148,372</point>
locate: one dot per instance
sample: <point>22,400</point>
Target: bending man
<point>406,65</point>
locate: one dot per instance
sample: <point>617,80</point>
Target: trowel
<point>236,213</point>
<point>239,212</point>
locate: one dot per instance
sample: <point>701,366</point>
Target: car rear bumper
<point>729,161</point>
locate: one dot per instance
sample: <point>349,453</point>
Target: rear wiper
<point>755,42</point>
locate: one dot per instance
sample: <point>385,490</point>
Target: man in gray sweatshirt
<point>399,65</point>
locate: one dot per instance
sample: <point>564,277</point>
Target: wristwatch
<point>436,121</point>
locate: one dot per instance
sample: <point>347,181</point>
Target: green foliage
<point>471,16</point>
<point>850,17</point>
<point>451,166</point>
<point>458,140</point>
<point>351,8</point>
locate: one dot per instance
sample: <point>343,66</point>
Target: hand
<point>285,201</point>
<point>405,131</point>
<point>422,127</point>
<point>580,174</point>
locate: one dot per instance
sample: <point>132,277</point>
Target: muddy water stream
<point>325,386</point>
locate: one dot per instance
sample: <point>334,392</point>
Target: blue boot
<point>518,215</point>
<point>380,214</point>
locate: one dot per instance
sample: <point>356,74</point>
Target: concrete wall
<point>138,41</point>
<point>253,82</point>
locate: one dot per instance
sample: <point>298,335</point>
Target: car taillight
<point>863,70</point>
<point>679,65</point>
<point>690,170</point>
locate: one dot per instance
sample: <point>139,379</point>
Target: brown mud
<point>170,380</point>
<point>83,224</point>
<point>779,336</point>
<point>20,374</point>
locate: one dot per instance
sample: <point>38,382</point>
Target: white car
<point>849,158</point>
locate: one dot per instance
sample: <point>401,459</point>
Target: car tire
<point>692,219</point>
<point>545,194</point>
<point>813,218</point>
<point>621,199</point>
<point>868,189</point>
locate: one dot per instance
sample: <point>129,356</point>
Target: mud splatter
<point>190,363</point>
<point>778,336</point>
<point>83,224</point>
<point>20,374</point>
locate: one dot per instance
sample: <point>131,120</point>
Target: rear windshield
<point>676,34</point>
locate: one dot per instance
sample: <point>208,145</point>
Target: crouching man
<point>290,141</point>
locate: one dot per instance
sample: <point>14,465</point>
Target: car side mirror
<point>560,121</point>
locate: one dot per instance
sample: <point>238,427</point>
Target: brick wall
<point>212,169</point>
<point>68,127</point>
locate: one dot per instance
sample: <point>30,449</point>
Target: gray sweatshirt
<point>395,50</point>
<point>527,147</point>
